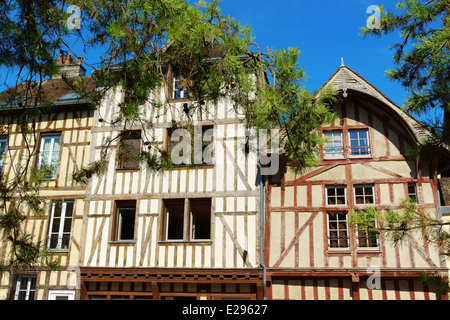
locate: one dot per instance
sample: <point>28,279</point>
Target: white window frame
<point>54,294</point>
<point>365,248</point>
<point>28,290</point>
<point>414,185</point>
<point>53,138</point>
<point>335,196</point>
<point>369,149</point>
<point>62,218</point>
<point>347,248</point>
<point>184,94</point>
<point>364,194</point>
<point>2,159</point>
<point>333,155</point>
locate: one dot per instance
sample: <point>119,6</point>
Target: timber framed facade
<point>189,231</point>
<point>60,139</point>
<point>311,251</point>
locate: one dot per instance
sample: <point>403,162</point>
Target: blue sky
<point>324,31</point>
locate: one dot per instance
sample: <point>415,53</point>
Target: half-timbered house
<point>188,231</point>
<point>59,142</point>
<point>311,252</point>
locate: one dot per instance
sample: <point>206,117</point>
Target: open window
<point>49,154</point>
<point>187,219</point>
<point>124,220</point>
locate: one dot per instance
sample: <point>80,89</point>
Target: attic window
<point>70,96</point>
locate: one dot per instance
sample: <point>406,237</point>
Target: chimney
<point>69,68</point>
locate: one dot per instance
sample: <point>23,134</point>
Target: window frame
<point>327,196</point>
<point>332,156</point>
<point>41,151</point>
<point>169,144</point>
<point>4,146</point>
<point>367,238</point>
<point>414,185</point>
<point>120,162</point>
<point>346,248</point>
<point>118,222</point>
<point>53,294</point>
<point>350,147</point>
<point>372,186</point>
<point>28,290</point>
<point>346,143</point>
<point>62,218</point>
<point>188,227</point>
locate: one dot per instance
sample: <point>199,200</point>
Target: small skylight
<point>70,96</point>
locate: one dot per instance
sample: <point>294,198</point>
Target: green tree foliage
<point>423,63</point>
<point>400,225</point>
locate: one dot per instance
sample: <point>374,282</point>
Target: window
<point>49,155</point>
<point>180,87</point>
<point>124,220</point>
<point>3,144</point>
<point>333,146</point>
<point>367,238</point>
<point>25,287</point>
<point>61,295</point>
<point>336,195</point>
<point>60,225</point>
<point>189,147</point>
<point>193,213</point>
<point>128,154</point>
<point>359,142</point>
<point>364,194</point>
<point>338,236</point>
<point>412,191</point>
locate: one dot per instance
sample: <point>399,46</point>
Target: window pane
<point>130,149</point>
<point>359,142</point>
<point>333,146</point>
<point>126,216</point>
<point>201,216</point>
<point>174,218</point>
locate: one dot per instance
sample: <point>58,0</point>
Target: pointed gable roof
<point>344,79</point>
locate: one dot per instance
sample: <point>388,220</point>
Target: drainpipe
<point>261,226</point>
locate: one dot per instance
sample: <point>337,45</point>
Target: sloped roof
<point>345,78</point>
<point>52,90</point>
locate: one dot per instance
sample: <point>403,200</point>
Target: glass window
<point>337,230</point>
<point>130,149</point>
<point>49,155</point>
<point>367,238</point>
<point>333,146</point>
<point>412,191</point>
<point>336,195</point>
<point>180,87</point>
<point>3,144</point>
<point>25,287</point>
<point>359,142</point>
<point>60,225</point>
<point>364,194</point>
